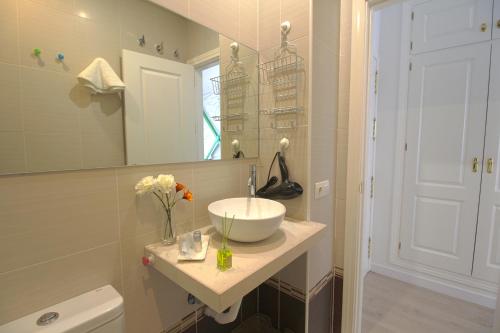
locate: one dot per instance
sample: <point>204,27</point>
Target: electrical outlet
<point>321,189</point>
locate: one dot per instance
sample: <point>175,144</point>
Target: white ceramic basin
<point>255,218</point>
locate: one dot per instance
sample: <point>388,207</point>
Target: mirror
<point>191,94</point>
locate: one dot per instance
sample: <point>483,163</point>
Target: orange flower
<point>179,187</point>
<point>188,196</point>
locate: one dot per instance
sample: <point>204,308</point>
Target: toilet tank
<point>97,311</point>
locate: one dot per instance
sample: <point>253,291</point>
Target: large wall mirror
<point>190,93</point>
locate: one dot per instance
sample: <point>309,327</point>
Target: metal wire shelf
<point>232,116</point>
<point>282,110</point>
<point>281,72</point>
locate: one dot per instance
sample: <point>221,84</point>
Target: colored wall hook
<point>60,56</point>
<point>37,52</point>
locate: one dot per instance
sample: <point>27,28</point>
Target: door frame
<point>358,98</point>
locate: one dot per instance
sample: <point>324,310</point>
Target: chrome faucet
<point>252,181</point>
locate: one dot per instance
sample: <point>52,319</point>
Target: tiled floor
<point>392,306</point>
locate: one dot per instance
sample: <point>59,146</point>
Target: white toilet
<point>97,311</point>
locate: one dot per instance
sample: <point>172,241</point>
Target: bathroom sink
<point>255,219</point>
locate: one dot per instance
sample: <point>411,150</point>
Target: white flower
<point>145,185</point>
<point>165,183</point>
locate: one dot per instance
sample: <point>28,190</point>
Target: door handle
<point>489,167</point>
<point>475,164</point>
<point>484,27</point>
<point>498,24</point>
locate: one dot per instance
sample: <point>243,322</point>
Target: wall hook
<point>60,56</point>
<point>159,48</point>
<point>37,51</point>
<point>284,144</point>
<point>142,41</point>
<point>285,30</point>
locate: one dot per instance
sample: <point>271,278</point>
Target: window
<point>211,108</point>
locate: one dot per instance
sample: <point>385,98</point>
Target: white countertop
<point>253,263</point>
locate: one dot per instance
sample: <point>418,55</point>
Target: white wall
<point>323,119</point>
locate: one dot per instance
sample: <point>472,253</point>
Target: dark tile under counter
<point>321,310</point>
<point>268,303</point>
<point>337,304</point>
<point>292,314</point>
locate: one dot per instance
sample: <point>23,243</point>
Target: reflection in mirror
<point>190,93</point>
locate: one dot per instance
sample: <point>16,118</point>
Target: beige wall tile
<point>296,159</point>
<point>10,111</point>
<point>55,215</point>
<point>99,39</point>
<point>220,15</point>
<point>141,215</point>
<point>61,5</point>
<point>12,154</point>
<point>53,151</point>
<point>49,101</point>
<point>269,24</point>
<point>9,32</point>
<point>98,10</point>
<point>214,181</point>
<point>35,287</point>
<point>156,25</point>
<point>248,12</point>
<point>53,31</point>
<point>105,113</point>
<point>152,302</point>
<point>297,12</point>
<point>102,149</point>
<point>339,232</point>
<point>181,7</point>
<point>326,23</point>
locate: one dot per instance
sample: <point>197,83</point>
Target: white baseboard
<point>448,288</point>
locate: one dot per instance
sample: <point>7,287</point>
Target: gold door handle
<point>498,24</point>
<point>484,27</point>
<point>489,167</point>
<point>475,164</point>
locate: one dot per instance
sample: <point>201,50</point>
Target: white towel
<point>100,77</point>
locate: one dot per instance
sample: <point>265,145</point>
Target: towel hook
<point>142,41</point>
<point>159,48</point>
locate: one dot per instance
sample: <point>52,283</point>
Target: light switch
<point>321,189</point>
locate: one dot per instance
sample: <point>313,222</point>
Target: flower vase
<point>168,235</point>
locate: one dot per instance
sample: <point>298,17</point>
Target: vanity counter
<point>253,263</point>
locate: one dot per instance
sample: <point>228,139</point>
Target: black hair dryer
<point>284,191</point>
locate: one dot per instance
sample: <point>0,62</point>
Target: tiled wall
<point>324,88</point>
<point>87,228</point>
<point>64,233</point>
<point>49,121</point>
<point>271,14</point>
<point>245,129</point>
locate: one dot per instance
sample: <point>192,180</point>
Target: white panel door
<point>160,110</point>
<point>447,23</point>
<point>496,20</point>
<point>487,254</point>
<point>445,131</point>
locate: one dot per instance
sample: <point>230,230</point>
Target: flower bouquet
<point>168,192</point>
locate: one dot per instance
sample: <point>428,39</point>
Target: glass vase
<point>168,235</point>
